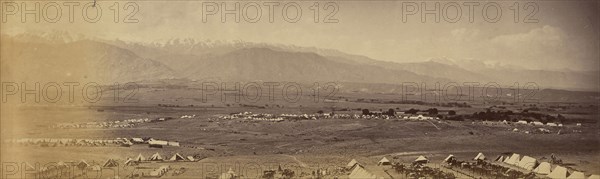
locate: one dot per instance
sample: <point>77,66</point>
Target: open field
<point>301,145</point>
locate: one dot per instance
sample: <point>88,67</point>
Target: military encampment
<point>300,89</point>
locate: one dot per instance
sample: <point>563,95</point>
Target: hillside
<point>116,60</point>
<point>252,64</point>
<point>88,61</point>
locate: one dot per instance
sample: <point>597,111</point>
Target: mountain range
<point>62,56</point>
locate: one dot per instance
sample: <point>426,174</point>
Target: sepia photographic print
<point>305,89</point>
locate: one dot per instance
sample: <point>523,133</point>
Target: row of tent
<point>544,168</point>
<point>153,142</point>
<point>531,164</point>
<point>110,124</point>
<point>157,157</point>
<point>420,159</point>
<point>479,156</point>
<point>81,165</point>
<point>62,141</point>
<point>95,142</point>
<point>386,161</point>
<point>359,172</point>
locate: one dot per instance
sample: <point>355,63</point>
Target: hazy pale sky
<point>563,34</point>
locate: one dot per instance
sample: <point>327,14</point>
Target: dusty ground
<point>303,146</point>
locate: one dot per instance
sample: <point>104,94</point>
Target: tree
<point>432,111</point>
<point>391,112</point>
<point>366,112</point>
<point>412,111</point>
<point>560,118</point>
<point>451,112</point>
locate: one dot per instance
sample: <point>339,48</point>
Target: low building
<point>157,143</point>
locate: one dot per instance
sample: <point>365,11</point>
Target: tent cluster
<point>187,116</point>
<point>526,162</point>
<point>65,142</point>
<point>537,123</point>
<point>160,143</point>
<point>157,157</point>
<point>281,117</point>
<point>111,124</point>
<point>479,157</point>
<point>419,117</point>
<point>416,170</point>
<point>57,169</point>
<point>529,167</point>
<point>252,116</point>
<point>92,142</point>
<point>358,170</point>
<point>544,168</point>
<point>151,142</point>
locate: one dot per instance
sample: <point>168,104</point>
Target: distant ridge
<point>239,60</point>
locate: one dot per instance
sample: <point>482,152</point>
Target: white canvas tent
<point>558,173</point>
<point>528,163</point>
<point>500,158</point>
<point>129,161</point>
<point>514,159</point>
<point>177,157</point>
<point>156,157</point>
<point>158,142</point>
<point>190,158</point>
<point>110,163</point>
<point>450,157</point>
<point>173,143</point>
<point>576,175</point>
<point>422,159</point>
<point>140,158</point>
<point>384,161</point>
<point>594,177</point>
<point>479,156</point>
<point>352,163</point>
<point>360,173</point>
<point>544,168</point>
<point>137,140</point>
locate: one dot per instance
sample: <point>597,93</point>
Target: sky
<point>553,35</point>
